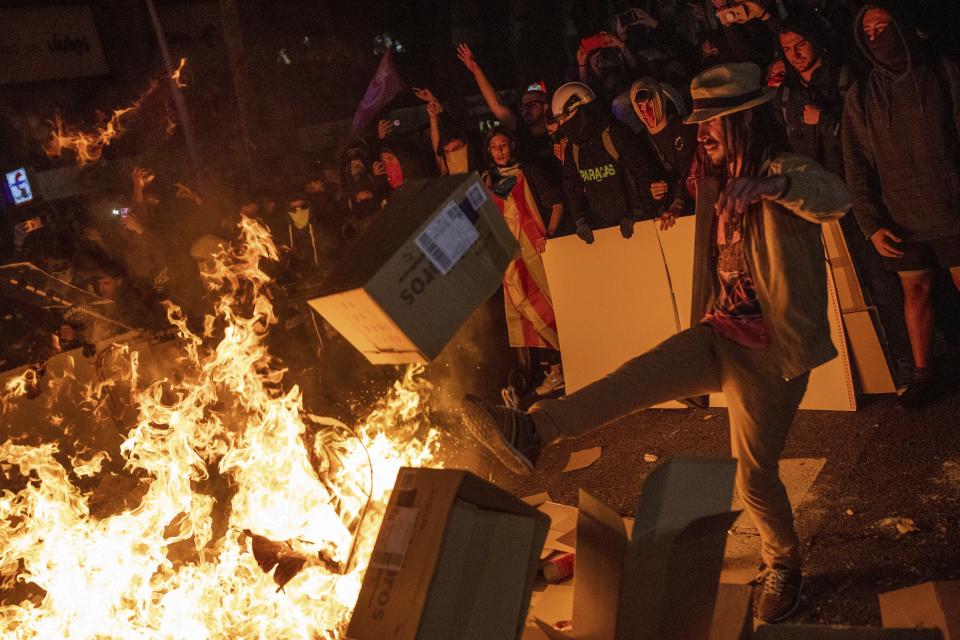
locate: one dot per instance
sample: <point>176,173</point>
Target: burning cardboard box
<point>456,558</point>
<point>434,254</point>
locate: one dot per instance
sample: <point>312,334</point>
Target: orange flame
<point>176,74</point>
<point>89,146</point>
<point>289,477</point>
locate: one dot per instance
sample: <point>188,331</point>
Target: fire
<point>176,74</point>
<point>88,146</point>
<point>223,438</point>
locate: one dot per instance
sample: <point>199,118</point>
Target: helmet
<point>570,97</point>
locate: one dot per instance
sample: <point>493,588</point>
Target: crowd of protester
<point>863,88</point>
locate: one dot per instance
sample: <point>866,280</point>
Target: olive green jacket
<point>786,257</point>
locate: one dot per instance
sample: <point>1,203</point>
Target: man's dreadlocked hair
<point>750,138</point>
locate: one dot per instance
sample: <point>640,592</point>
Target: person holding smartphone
<point>749,27</point>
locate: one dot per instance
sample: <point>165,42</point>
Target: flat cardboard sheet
<point>870,362</point>
<point>563,520</point>
<point>677,246</point>
<point>612,300</point>
<point>617,298</point>
<point>537,499</point>
<point>931,604</point>
<point>582,459</point>
<point>849,292</point>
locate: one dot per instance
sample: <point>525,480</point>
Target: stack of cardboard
<point>860,320</point>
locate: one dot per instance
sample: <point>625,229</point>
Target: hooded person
<point>809,100</point>
<point>901,147</point>
<point>607,172</point>
<point>528,307</point>
<point>355,170</point>
<point>396,165</point>
<point>660,108</point>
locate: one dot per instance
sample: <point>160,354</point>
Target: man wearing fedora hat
<point>758,323</point>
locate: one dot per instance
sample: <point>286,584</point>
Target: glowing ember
<point>176,74</point>
<point>179,563</point>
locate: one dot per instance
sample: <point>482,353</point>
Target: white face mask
<point>457,161</point>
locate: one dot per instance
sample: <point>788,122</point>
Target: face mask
<point>889,50</point>
<point>577,128</point>
<point>300,217</point>
<point>394,174</point>
<point>457,161</point>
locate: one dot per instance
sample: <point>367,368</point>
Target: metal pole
<point>233,36</point>
<point>178,101</point>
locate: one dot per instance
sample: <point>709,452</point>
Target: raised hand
<point>466,57</point>
<point>141,178</point>
<point>424,94</point>
<point>384,127</point>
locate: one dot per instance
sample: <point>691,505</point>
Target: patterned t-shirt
<point>736,314</point>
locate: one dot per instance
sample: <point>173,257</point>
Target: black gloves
<point>626,227</point>
<point>584,232</point>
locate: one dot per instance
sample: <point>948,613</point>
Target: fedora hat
<point>725,89</point>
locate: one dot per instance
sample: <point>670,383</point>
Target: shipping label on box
<point>433,255</point>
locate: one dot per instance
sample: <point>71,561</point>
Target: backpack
<point>607,144</point>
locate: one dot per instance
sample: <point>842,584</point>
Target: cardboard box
<point>733,612</point>
<point>432,256</point>
<point>931,604</point>
<point>815,632</point>
<point>661,582</point>
<point>455,558</point>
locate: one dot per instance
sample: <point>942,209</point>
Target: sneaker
<point>780,588</point>
<point>508,434</point>
<point>919,391</point>
<point>552,382</point>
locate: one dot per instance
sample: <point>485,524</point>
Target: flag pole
<point>178,101</point>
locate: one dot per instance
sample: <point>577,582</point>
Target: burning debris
<point>242,492</point>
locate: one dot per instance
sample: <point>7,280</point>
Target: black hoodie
<point>822,140</point>
<point>901,140</point>
<point>601,189</point>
